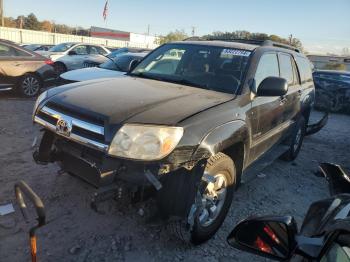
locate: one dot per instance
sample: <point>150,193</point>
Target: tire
<point>296,140</point>
<point>59,68</point>
<point>29,85</point>
<point>223,168</point>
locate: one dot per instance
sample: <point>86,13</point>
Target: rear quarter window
<point>304,67</point>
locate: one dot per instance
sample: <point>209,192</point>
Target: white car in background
<point>70,56</point>
<point>113,67</point>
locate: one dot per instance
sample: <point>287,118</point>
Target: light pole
<point>2,13</point>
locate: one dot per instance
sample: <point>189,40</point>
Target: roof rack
<point>246,41</point>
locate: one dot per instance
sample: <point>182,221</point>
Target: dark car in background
<point>23,70</point>
<point>113,67</point>
<point>114,53</point>
<point>38,47</point>
<point>332,90</point>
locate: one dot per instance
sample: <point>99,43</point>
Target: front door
<point>267,111</point>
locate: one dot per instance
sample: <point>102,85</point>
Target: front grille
<point>81,131</point>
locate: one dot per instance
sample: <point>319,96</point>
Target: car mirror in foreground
<point>273,86</point>
<point>272,237</point>
<point>133,64</point>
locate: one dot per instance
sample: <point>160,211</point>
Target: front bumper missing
<point>174,191</point>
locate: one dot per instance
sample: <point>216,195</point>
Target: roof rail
<point>246,41</point>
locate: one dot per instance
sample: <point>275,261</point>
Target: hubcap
<point>30,86</point>
<point>213,200</point>
<point>297,140</point>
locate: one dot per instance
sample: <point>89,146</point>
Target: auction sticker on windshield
<point>234,52</point>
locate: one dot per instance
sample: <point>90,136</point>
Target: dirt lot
<point>77,233</point>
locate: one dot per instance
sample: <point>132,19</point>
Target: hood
<point>90,73</point>
<point>136,100</point>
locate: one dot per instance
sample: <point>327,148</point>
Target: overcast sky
<point>322,25</point>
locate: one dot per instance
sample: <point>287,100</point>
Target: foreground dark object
<point>23,190</point>
<point>324,235</point>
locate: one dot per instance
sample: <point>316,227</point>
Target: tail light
<point>49,62</point>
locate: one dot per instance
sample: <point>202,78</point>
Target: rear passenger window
<point>304,67</point>
<point>268,66</point>
<point>286,68</point>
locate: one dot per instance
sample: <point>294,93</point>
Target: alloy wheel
<point>30,86</point>
<point>213,200</point>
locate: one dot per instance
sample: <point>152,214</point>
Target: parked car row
<point>27,68</point>
<point>23,70</point>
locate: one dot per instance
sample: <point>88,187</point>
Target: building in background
<point>122,35</point>
<point>330,62</point>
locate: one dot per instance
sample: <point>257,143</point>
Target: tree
<point>177,35</point>
<point>335,66</point>
<point>31,22</point>
<point>10,22</point>
<point>253,36</point>
<point>46,26</point>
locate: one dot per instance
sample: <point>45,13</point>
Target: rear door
<point>76,61</point>
<point>267,111</point>
<point>288,71</point>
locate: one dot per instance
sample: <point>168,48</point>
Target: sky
<point>322,25</point>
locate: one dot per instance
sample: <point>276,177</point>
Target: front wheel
<point>216,198</point>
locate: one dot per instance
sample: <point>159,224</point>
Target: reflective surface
<point>263,237</point>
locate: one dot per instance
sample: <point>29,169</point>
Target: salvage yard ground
<point>76,233</point>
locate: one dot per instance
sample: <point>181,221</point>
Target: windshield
<point>120,63</point>
<point>61,47</point>
<point>209,67</point>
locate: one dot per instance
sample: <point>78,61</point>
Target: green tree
<point>335,66</point>
<point>177,35</point>
<point>31,22</point>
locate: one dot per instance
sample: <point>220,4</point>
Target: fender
<point>221,138</point>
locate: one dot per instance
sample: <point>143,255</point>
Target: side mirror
<point>133,64</point>
<point>273,86</point>
<point>72,52</point>
<point>271,237</point>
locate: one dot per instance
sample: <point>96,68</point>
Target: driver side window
<point>268,66</point>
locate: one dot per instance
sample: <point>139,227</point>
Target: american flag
<point>105,11</point>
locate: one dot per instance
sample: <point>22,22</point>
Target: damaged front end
<point>174,190</point>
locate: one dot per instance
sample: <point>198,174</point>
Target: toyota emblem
<point>63,127</point>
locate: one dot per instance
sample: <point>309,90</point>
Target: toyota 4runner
<point>182,127</point>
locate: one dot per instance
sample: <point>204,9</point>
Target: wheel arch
<point>231,138</point>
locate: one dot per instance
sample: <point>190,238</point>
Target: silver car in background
<point>70,56</point>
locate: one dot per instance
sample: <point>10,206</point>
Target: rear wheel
<point>29,85</point>
<point>216,198</point>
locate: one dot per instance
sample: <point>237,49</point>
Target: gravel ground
<point>76,233</point>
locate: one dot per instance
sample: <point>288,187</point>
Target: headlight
<point>145,142</point>
<point>38,101</point>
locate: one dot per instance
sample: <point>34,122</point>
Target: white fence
<point>38,37</point>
